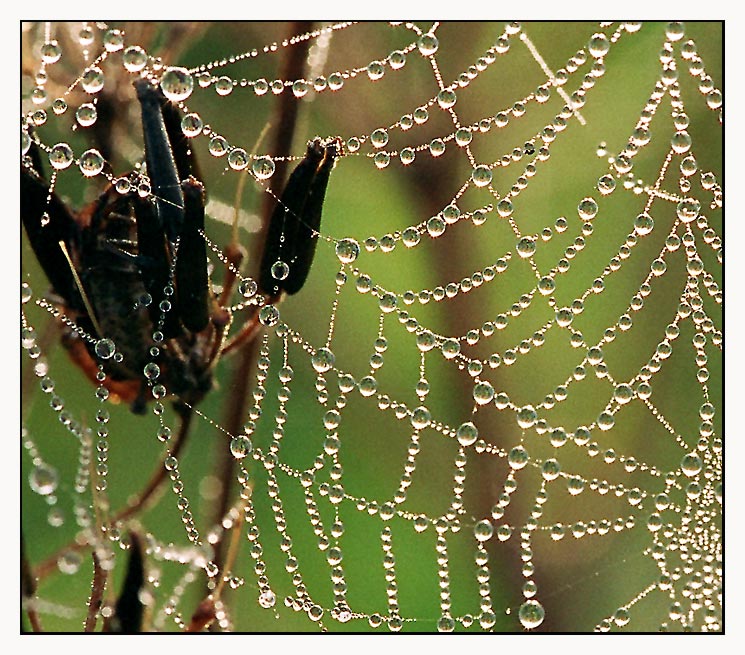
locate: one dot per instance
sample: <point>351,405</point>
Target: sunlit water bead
<point>69,562</point>
<point>481,175</point>
<point>421,417</point>
<point>598,45</point>
<point>86,115</point>
<point>177,84</point>
<point>43,479</point>
<point>688,210</point>
<point>105,348</point>
<point>526,247</point>
<point>428,44</point>
<point>531,614</point>
<point>681,142</point>
<point>134,59</point>
<point>92,80</point>
<point>51,52</point>
<point>263,167</point>
<point>483,392</point>
<point>91,163</point>
<point>446,98</point>
<point>467,434</point>
<point>606,184</point>
<point>240,446</point>
<point>280,270</point>
<point>269,316</point>
<point>587,209</point>
<point>483,530</point>
<point>192,125</point>
<point>61,156</point>
<point>379,138</point>
<point>643,224</point>
<point>691,465</point>
<point>347,250</point>
<point>323,360</point>
<point>237,159</point>
<point>526,416</point>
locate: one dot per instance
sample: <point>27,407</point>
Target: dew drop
<point>526,247</point>
<point>428,44</point>
<point>379,138</point>
<point>105,348</point>
<point>240,446</point>
<point>86,114</point>
<point>598,45</point>
<point>218,146</point>
<point>269,315</point>
<point>518,457</point>
<point>69,562</point>
<point>526,416</point>
<point>688,210</point>
<point>347,250</point>
<point>91,163</point>
<point>25,142</point>
<point>483,392</point>
<point>446,98</point>
<point>43,479</point>
<point>481,175</point>
<point>134,59</point>
<point>643,224</point>
<point>691,465</point>
<point>323,360</point>
<point>267,599</point>
<point>177,84</point>
<point>237,159</point>
<point>247,287</point>
<point>192,125</point>
<point>587,209</point>
<point>92,80</point>
<point>420,418</point>
<point>450,348</point>
<point>151,370</point>
<point>51,52</point>
<point>467,434</point>
<point>606,421</point>
<point>531,614</point>
<point>280,270</point>
<point>263,167</point>
<point>61,156</point>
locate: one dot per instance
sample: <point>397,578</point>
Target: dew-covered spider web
<point>496,403</point>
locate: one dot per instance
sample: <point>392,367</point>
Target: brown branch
<point>28,591</point>
<point>98,584</point>
<point>284,132</point>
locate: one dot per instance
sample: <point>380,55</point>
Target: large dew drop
<point>177,84</point>
<point>347,250</point>
<point>43,479</point>
<point>531,614</point>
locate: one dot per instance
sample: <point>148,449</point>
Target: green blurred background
<point>580,581</point>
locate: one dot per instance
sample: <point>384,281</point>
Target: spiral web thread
<point>515,480</point>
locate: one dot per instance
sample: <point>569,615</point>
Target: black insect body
<point>129,272</point>
<point>293,231</point>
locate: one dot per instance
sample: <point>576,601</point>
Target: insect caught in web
<point>129,272</point>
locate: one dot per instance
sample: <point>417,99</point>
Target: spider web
<point>496,403</point>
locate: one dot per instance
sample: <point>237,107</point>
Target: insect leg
<point>192,284</point>
<point>161,166</point>
<point>45,239</point>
